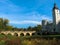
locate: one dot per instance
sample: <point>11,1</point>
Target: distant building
<point>55,25</point>
<point>47,26</point>
<point>44,23</point>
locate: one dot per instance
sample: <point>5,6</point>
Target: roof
<point>55,6</point>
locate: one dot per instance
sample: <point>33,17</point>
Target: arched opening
<point>15,34</point>
<point>2,34</point>
<point>33,34</point>
<point>9,34</point>
<point>22,34</point>
<point>38,33</point>
<point>27,34</point>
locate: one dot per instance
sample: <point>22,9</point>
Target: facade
<point>56,18</point>
<point>47,26</point>
<point>55,25</point>
<point>44,23</point>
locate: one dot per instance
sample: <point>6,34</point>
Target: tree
<point>1,23</point>
<point>37,28</point>
<point>9,27</point>
<point>5,22</point>
<point>29,28</point>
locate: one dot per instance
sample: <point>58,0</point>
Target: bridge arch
<point>33,34</point>
<point>21,34</point>
<point>9,34</point>
<point>3,34</point>
<point>38,33</point>
<point>15,34</point>
<point>27,34</point>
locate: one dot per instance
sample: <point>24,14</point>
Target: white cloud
<point>25,22</point>
<point>45,17</point>
<point>30,18</point>
<point>26,18</point>
<point>37,16</point>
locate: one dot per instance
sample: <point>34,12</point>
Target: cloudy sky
<point>24,13</point>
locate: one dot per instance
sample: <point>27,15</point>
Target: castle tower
<point>44,23</point>
<point>56,17</point>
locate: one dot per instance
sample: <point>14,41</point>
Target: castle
<point>55,25</point>
<point>46,26</point>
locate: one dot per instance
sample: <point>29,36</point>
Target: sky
<point>25,13</point>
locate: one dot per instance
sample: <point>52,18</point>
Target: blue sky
<point>24,13</point>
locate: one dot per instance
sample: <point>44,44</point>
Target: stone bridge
<point>19,33</point>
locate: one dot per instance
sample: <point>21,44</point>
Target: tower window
<point>57,10</point>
